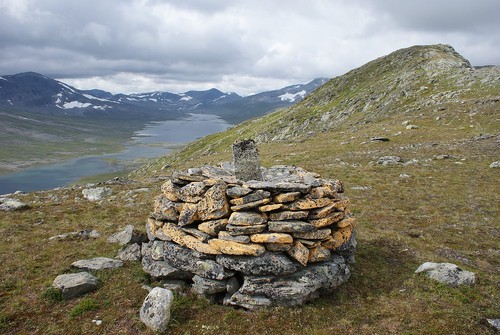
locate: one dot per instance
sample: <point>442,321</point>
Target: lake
<point>155,140</point>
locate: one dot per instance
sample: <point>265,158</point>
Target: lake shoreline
<point>154,140</point>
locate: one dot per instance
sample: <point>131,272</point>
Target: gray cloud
<point>242,46</point>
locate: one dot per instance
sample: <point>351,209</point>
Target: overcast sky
<point>245,46</point>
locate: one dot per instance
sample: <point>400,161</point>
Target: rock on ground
<point>97,263</point>
<point>127,236</point>
<point>96,194</point>
<point>495,165</point>
<point>8,204</point>
<point>75,284</point>
<point>389,160</point>
<point>447,273</point>
<point>155,311</point>
<point>131,252</point>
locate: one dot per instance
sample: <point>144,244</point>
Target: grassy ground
<point>447,210</point>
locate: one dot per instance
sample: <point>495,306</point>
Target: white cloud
<point>234,45</point>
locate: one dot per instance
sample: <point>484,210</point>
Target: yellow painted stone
<point>235,248</point>
<point>319,254</point>
<point>299,252</point>
<point>188,214</point>
<point>338,238</point>
<point>347,222</point>
<point>272,238</point>
<point>304,204</point>
<point>174,233</point>
<point>325,191</point>
<point>286,197</point>
<point>193,243</point>
<point>270,208</point>
<point>178,236</point>
<point>213,227</point>
<point>170,190</point>
<point>152,225</point>
<point>214,204</point>
<point>329,220</point>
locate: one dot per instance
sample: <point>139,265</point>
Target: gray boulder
<point>204,286</point>
<point>75,284</point>
<point>269,263</point>
<point>389,160</point>
<point>98,263</point>
<point>162,269</point>
<point>447,273</point>
<point>293,289</point>
<point>495,165</point>
<point>131,252</point>
<point>494,323</point>
<point>8,204</point>
<point>96,194</point>
<point>194,262</point>
<point>127,236</point>
<point>155,310</point>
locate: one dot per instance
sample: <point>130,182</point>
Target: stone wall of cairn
<point>279,241</point>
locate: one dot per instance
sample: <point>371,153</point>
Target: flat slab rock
<point>290,290</point>
<point>96,194</point>
<point>75,284</point>
<point>447,273</point>
<point>98,263</point>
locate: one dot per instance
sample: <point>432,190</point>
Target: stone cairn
<point>250,236</point>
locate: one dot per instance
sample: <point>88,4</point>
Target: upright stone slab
<point>246,161</point>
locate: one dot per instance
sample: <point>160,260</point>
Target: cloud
<point>234,45</point>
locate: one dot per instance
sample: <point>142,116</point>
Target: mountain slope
<point>35,93</point>
<point>428,85</point>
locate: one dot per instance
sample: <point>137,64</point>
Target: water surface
<point>155,140</point>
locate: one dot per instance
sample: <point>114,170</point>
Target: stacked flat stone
<point>247,241</point>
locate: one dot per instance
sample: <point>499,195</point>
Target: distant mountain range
<point>37,93</point>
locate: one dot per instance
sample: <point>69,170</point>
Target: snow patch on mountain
<point>292,96</point>
<point>102,107</point>
<point>76,104</point>
<point>186,98</point>
<point>88,96</point>
<point>3,78</point>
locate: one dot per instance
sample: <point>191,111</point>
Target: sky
<point>242,46</point>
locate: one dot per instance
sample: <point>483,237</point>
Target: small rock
<point>495,323</point>
<point>447,273</point>
<point>98,263</point>
<point>75,284</point>
<point>404,176</point>
<point>174,285</point>
<point>97,322</point>
<point>8,204</point>
<point>379,139</point>
<point>96,194</point>
<point>131,252</point>
<point>155,311</point>
<point>204,286</point>
<point>389,160</point>
<point>495,165</point>
<point>412,126</point>
<point>84,234</point>
<point>127,236</point>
